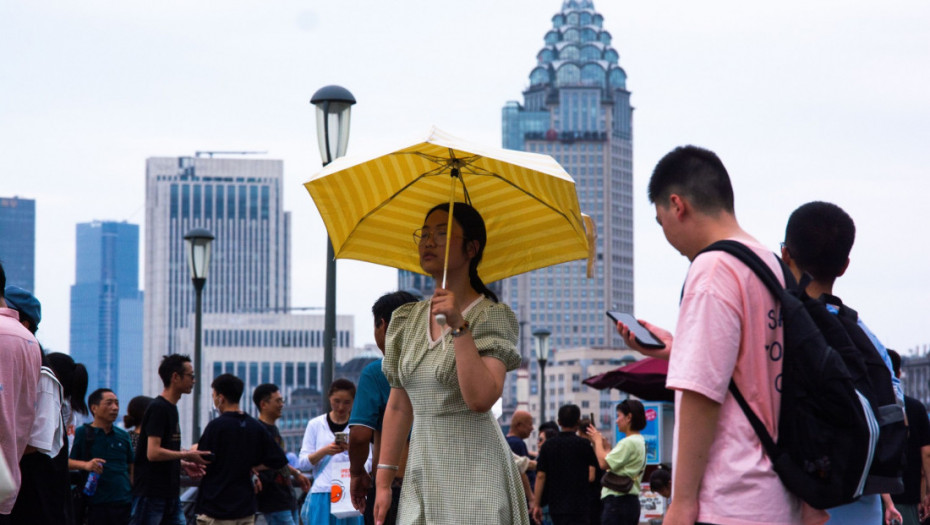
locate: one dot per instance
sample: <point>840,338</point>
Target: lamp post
<point>333,111</point>
<point>542,356</point>
<point>198,257</point>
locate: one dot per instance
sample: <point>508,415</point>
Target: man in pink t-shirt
<point>20,361</point>
<point>728,327</point>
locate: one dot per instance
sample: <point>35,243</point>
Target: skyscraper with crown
<point>577,109</point>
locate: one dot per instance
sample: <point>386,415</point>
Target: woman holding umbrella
<point>450,374</point>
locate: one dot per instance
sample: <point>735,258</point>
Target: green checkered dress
<point>460,469</point>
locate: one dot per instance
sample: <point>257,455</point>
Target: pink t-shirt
<point>20,361</point>
<point>729,326</point>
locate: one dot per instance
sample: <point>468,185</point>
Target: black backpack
<point>826,431</point>
<point>872,378</point>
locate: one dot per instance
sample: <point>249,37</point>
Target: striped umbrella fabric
<point>372,205</point>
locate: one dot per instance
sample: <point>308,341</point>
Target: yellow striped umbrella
<point>372,205</point>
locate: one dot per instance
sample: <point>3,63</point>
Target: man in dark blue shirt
<point>239,445</point>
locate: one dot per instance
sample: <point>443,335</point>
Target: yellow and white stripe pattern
<point>371,206</point>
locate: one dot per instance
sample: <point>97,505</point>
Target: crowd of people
<point>417,435</point>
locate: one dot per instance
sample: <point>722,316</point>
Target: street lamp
<point>542,355</point>
<point>333,111</point>
<point>198,258</point>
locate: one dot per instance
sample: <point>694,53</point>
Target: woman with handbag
<point>624,465</point>
<point>320,447</point>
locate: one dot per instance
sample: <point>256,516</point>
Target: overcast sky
<point>802,100</point>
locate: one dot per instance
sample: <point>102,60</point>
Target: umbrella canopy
<point>371,205</point>
<point>644,379</point>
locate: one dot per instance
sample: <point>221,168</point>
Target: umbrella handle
<point>441,318</point>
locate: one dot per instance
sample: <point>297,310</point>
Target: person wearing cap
<point>30,311</point>
<point>19,379</point>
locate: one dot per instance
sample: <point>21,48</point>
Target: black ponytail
<point>473,229</point>
<point>73,379</point>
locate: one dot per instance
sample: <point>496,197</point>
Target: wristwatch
<point>460,330</point>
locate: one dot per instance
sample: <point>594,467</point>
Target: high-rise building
<point>106,307</point>
<point>240,201</point>
<point>577,109</point>
<point>18,241</point>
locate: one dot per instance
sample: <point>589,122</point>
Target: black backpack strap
<point>768,278</point>
<point>771,449</point>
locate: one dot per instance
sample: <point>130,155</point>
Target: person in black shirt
<point>239,444</point>
<point>276,499</point>
<point>156,477</point>
<point>909,503</point>
<point>564,469</point>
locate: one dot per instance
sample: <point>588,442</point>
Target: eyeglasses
<point>421,235</point>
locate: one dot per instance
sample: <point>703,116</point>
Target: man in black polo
<point>240,444</point>
<point>564,469</point>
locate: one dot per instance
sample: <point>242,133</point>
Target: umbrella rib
<point>488,173</point>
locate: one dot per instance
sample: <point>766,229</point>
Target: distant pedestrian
<point>238,445</point>
<point>105,449</point>
<point>660,482</point>
<point>157,473</point>
<point>276,499</point>
<point>367,418</point>
<point>132,421</point>
<point>917,469</point>
<point>564,468</point>
<point>627,458</point>
<point>320,448</point>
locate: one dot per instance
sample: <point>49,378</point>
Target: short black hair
<point>172,364</point>
<point>549,433</point>
<point>96,396</point>
<point>2,278</point>
<point>635,408</point>
<point>695,173</point>
<point>660,479</point>
<point>342,384</point>
<point>387,303</point>
<point>551,425</point>
<point>262,393</point>
<point>895,361</point>
<point>569,416</point>
<point>228,386</point>
<point>819,237</point>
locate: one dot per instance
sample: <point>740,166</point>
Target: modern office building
<point>284,349</point>
<point>240,201</point>
<point>106,307</point>
<point>18,249</point>
<point>577,109</point>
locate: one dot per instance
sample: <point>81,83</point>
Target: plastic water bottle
<point>91,486</point>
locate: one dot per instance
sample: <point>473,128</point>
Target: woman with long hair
<point>45,494</point>
<point>459,468</point>
<point>627,458</point>
<point>320,449</point>
<point>132,421</point>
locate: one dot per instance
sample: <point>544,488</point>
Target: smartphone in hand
<point>643,336</point>
<point>342,438</point>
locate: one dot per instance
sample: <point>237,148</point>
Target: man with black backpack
<point>728,328</point>
<point>818,239</point>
